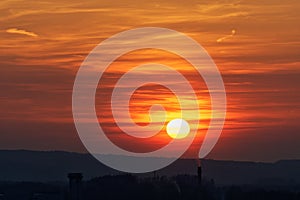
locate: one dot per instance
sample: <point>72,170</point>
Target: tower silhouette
<point>75,186</point>
<point>199,173</point>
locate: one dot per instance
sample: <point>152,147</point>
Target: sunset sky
<point>255,45</point>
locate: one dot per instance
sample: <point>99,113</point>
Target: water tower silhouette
<point>75,187</point>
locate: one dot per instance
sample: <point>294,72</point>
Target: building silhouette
<point>75,186</point>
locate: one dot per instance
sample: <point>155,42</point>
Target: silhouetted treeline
<point>127,186</point>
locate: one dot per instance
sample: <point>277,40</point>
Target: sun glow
<point>178,128</point>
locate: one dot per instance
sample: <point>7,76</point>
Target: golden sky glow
<point>255,44</point>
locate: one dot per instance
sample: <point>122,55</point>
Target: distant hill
<point>23,165</point>
<point>284,172</point>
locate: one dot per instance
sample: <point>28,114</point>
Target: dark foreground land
<point>28,175</point>
<point>127,186</point>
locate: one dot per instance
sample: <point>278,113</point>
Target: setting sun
<point>178,128</point>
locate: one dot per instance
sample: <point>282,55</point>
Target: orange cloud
<point>22,32</point>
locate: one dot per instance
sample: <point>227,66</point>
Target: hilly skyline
<point>43,166</point>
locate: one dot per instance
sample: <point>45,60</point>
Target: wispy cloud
<point>22,32</point>
<point>233,32</point>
